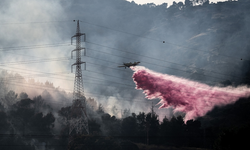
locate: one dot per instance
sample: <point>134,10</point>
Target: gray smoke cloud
<point>119,31</point>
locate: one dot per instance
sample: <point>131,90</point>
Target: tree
<point>172,131</point>
<point>129,127</point>
<point>17,143</point>
<point>151,5</point>
<point>162,7</point>
<point>102,143</point>
<point>40,105</point>
<point>91,142</point>
<point>20,115</point>
<point>114,110</point>
<point>64,114</point>
<point>49,84</point>
<point>201,2</point>
<point>141,122</point>
<point>180,5</point>
<point>234,138</point>
<point>4,125</point>
<point>94,127</point>
<point>100,109</point>
<point>10,98</point>
<point>1,107</point>
<point>46,95</point>
<point>177,131</point>
<point>193,133</point>
<point>27,121</point>
<point>126,113</point>
<point>23,95</point>
<point>188,3</point>
<point>165,131</point>
<point>174,8</point>
<point>206,2</point>
<point>92,103</point>
<point>112,126</point>
<point>42,125</point>
<point>152,127</point>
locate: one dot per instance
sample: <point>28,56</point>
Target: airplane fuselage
<point>129,64</point>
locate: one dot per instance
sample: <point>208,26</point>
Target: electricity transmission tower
<point>78,123</point>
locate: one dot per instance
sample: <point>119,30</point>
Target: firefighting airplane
<point>129,64</point>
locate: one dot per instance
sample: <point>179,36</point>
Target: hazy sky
<point>35,42</point>
<point>159,2</point>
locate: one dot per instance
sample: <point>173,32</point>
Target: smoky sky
<point>118,31</point>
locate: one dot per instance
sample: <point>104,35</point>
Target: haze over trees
<point>36,118</point>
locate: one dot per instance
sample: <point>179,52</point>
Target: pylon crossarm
<point>77,50</point>
<point>78,35</point>
<point>77,64</point>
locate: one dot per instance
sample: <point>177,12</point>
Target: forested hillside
<point>208,42</point>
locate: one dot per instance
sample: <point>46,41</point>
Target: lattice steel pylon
<point>78,123</point>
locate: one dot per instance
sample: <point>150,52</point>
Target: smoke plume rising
<point>193,98</point>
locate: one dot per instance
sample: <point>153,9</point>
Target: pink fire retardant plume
<point>193,98</point>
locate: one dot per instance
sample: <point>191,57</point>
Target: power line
<point>43,73</point>
<point>130,100</point>
<point>123,85</point>
<point>122,31</point>
<point>153,39</point>
<point>52,59</point>
<point>56,90</point>
<point>152,64</point>
<point>135,99</point>
<point>35,22</point>
<point>171,68</point>
<point>162,66</point>
<point>162,41</point>
<point>160,59</point>
<point>107,75</point>
<point>183,92</point>
<point>102,79</point>
<point>106,80</point>
<point>106,66</point>
<point>32,47</point>
<point>106,85</point>
<point>35,61</point>
<point>35,46</point>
